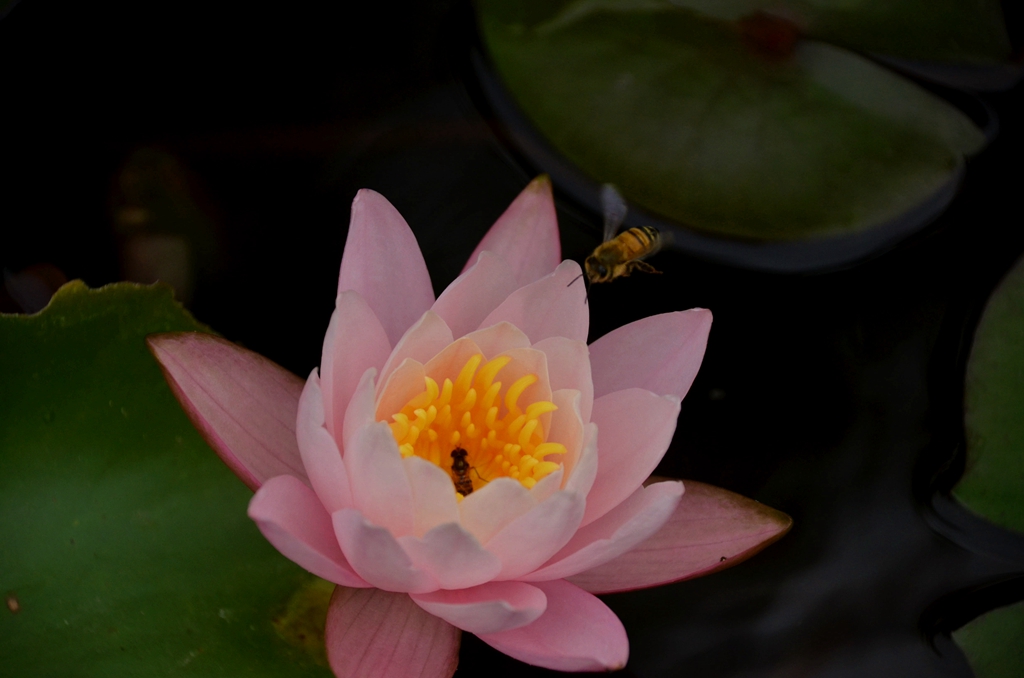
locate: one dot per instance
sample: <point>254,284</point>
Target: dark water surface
<point>833,397</point>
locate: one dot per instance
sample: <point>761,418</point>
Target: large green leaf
<point>993,643</point>
<point>692,123</point>
<point>124,545</point>
<point>993,483</point>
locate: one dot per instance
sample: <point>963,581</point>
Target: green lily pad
<point>972,31</point>
<point>993,483</point>
<point>126,550</point>
<point>692,123</point>
<point>993,644</point>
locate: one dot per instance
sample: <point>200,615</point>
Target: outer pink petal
<point>635,427</point>
<point>424,340</point>
<point>661,353</point>
<point>377,556</point>
<point>553,306</point>
<point>475,293</point>
<point>320,455</point>
<point>243,404</point>
<point>526,235</point>
<point>489,608</point>
<point>382,261</point>
<point>452,556</point>
<point>577,632</point>
<point>433,495</point>
<point>375,634</point>
<point>569,367</point>
<point>292,519</point>
<point>616,532</point>
<point>485,512</point>
<point>710,530</point>
<point>527,542</point>
<point>380,488</point>
<point>354,343</point>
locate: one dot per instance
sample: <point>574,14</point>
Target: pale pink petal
<point>292,518</point>
<point>614,533</point>
<point>377,556</point>
<point>382,261</point>
<point>475,293</point>
<point>584,472</point>
<point>380,488</point>
<point>553,306</point>
<point>405,383</point>
<point>354,343</point>
<point>566,427</point>
<point>243,404</point>
<point>569,367</point>
<point>452,556</point>
<point>424,340</point>
<point>710,530</point>
<point>376,634</point>
<point>661,353</point>
<point>526,235</point>
<point>550,484</point>
<point>577,632</point>
<point>494,506</point>
<point>320,455</point>
<point>362,409</point>
<point>499,338</point>
<point>528,541</point>
<point>433,495</point>
<point>636,427</point>
<point>488,608</point>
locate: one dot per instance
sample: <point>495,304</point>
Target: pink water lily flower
<point>468,462</point>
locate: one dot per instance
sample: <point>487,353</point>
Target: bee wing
<point>614,207</point>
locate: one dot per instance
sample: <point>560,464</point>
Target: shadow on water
<point>833,397</point>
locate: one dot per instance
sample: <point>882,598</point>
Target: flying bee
<point>460,472</point>
<point>619,255</point>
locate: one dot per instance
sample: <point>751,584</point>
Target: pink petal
<point>635,428</point>
<point>292,519</point>
<point>489,608</point>
<point>661,353</point>
<point>499,338</point>
<point>527,542</point>
<point>377,556</point>
<point>450,361</point>
<point>362,409</point>
<point>452,556</point>
<point>583,473</point>
<point>710,530</point>
<point>320,455</point>
<point>485,512</point>
<point>567,427</point>
<point>577,632</point>
<point>475,293</point>
<point>424,340</point>
<point>404,383</point>
<point>243,404</point>
<point>375,634</point>
<point>355,342</point>
<point>553,306</point>
<point>433,495</point>
<point>569,367</point>
<point>380,488</point>
<point>614,533</point>
<point>382,261</point>
<point>526,235</point>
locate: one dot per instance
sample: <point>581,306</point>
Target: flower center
<point>500,436</point>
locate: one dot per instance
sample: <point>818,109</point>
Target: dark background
<point>835,397</point>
